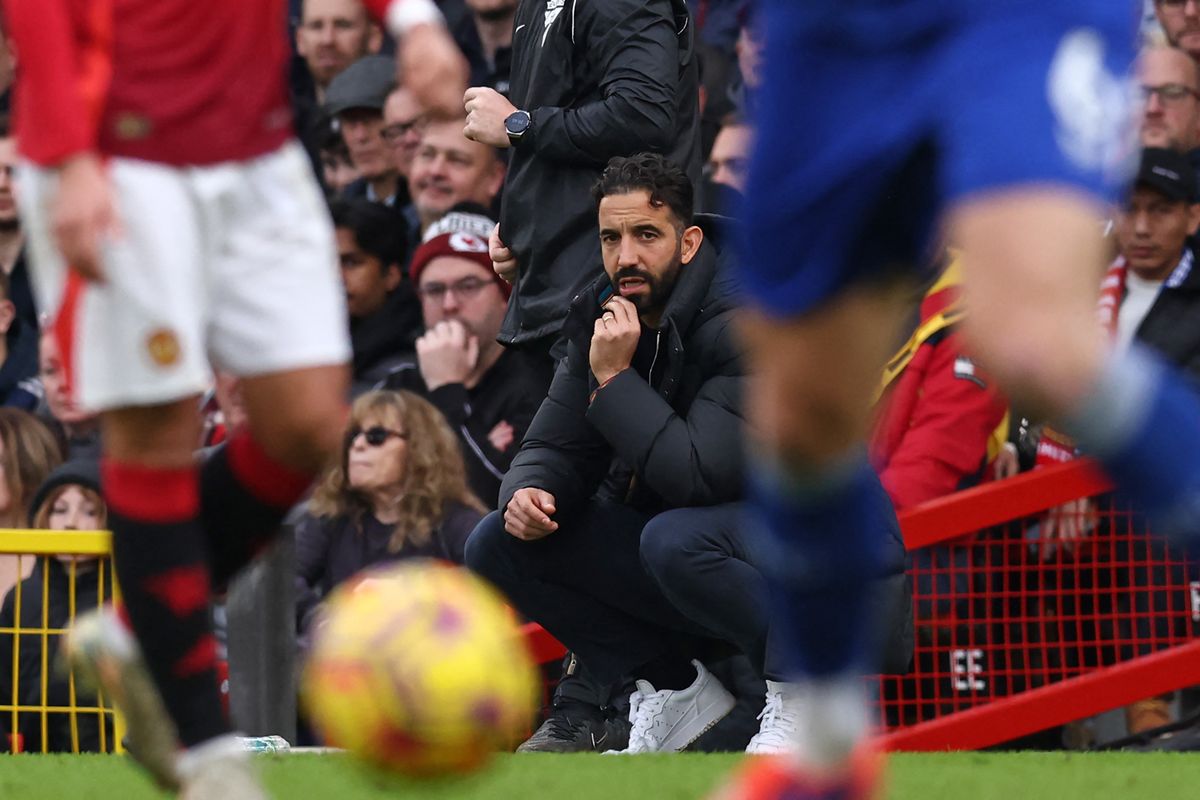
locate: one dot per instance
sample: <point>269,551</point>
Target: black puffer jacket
<point>671,441</point>
<point>601,78</point>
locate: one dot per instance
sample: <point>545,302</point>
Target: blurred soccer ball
<point>419,668</point>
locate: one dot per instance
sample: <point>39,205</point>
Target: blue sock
<point>826,535</point>
<point>1142,422</point>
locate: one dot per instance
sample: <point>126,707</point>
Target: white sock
<point>834,720</point>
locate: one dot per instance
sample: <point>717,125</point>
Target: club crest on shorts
<point>163,346</point>
<point>130,126</point>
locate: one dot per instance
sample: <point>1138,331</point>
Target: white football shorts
<point>232,264</point>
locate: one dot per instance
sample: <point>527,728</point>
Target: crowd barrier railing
<point>42,708</point>
<point>1020,628</point>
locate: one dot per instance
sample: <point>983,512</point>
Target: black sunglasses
<point>376,435</point>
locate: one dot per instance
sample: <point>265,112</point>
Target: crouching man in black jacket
<point>643,415</point>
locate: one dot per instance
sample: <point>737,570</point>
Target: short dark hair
<point>667,184</point>
<point>379,230</point>
<point>5,126</point>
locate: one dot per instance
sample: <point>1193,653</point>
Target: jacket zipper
<point>650,381</point>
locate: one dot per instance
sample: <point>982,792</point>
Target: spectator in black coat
<point>644,415</point>
<point>590,81</point>
<point>69,500</point>
<point>384,312</point>
<point>488,393</point>
<point>19,384</point>
<point>12,238</point>
<point>399,492</point>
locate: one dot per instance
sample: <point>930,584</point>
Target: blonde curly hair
<point>434,474</point>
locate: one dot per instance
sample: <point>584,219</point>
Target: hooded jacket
<point>670,439</point>
<point>600,78</point>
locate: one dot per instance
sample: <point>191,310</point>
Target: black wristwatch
<point>516,124</point>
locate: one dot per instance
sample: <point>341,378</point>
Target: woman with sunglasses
<point>399,492</point>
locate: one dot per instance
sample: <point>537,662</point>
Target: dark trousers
<point>709,569</point>
<point>706,568</point>
<point>586,585</point>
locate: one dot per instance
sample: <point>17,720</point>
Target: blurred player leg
<point>278,323</point>
<point>152,485</point>
<point>820,508</point>
<point>248,485</point>
<point>1057,78</point>
<point>1031,283</point>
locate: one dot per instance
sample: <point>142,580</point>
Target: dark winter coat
<point>331,549</point>
<point>385,339</point>
<point>668,439</point>
<point>601,78</point>
<point>1172,325</point>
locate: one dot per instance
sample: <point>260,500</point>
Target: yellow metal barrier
<point>62,561</point>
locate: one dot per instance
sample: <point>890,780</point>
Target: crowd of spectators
<point>540,301</point>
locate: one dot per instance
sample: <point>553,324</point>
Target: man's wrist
<point>519,126</point>
<point>604,380</point>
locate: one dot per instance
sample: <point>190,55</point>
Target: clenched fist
<point>527,515</point>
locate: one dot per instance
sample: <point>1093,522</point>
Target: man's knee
<point>485,552</point>
<point>298,417</point>
<point>661,545</point>
<point>672,542</point>
<point>162,436</point>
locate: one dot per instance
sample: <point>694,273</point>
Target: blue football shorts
<point>873,115</point>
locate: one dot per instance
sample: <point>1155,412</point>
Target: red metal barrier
<point>1018,631</point>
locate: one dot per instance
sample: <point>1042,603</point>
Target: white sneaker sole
<point>105,657</point>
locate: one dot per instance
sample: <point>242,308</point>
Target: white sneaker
<point>219,769</point>
<point>105,655</point>
<point>777,733</point>
<point>669,720</point>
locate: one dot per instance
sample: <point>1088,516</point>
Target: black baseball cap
<point>1169,173</point>
<point>364,84</point>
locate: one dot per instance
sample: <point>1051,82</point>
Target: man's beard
<point>10,225</point>
<point>655,300</point>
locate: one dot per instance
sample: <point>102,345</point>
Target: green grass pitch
<point>956,776</point>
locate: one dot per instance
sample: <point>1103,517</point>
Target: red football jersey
<point>174,81</point>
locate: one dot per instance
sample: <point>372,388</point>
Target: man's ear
<point>690,243</point>
<point>392,276</point>
<point>1193,217</point>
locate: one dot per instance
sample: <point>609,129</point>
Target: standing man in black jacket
<point>643,415</point>
<point>590,81</point>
